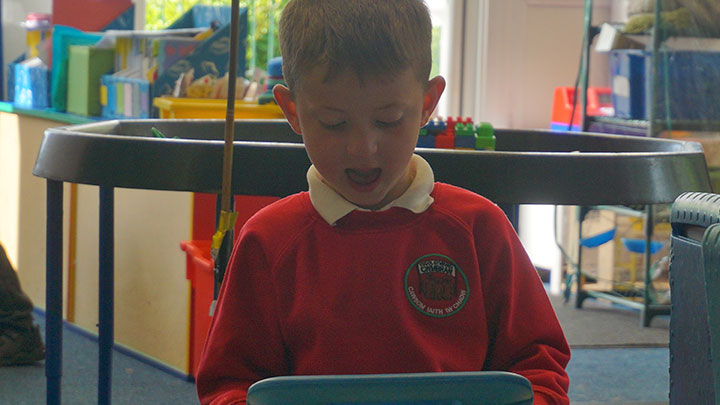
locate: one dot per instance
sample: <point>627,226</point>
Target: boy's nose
<point>363,144</point>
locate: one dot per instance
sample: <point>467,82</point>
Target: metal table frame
<point>528,167</point>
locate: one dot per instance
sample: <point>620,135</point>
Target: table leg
<point>54,291</point>
<point>106,286</point>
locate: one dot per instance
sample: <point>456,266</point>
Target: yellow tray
<point>173,107</point>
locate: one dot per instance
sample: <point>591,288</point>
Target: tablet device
<point>449,388</point>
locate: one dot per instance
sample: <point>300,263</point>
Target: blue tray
<point>466,388</point>
<point>638,245</point>
<point>597,240</point>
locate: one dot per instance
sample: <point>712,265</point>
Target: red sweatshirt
<point>450,289</point>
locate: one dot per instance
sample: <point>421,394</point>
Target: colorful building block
<point>425,140</point>
<point>464,136</point>
<point>456,133</point>
<point>445,140</point>
<point>435,127</point>
<point>484,136</point>
<point>463,129</point>
<point>451,125</point>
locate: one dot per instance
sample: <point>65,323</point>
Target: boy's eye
<point>334,125</point>
<point>388,124</point>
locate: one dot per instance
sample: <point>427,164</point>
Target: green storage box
<point>86,65</point>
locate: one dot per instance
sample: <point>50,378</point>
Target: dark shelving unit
<point>652,127</point>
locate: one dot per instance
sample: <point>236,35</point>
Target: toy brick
<point>426,141</point>
<point>485,136</point>
<point>451,122</point>
<point>485,143</point>
<point>435,126</point>
<point>465,142</point>
<point>485,130</point>
<point>464,129</point>
<point>445,141</point>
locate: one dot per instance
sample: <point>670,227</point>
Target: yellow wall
<point>151,292</point>
<point>22,200</point>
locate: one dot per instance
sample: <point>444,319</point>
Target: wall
<point>516,53</point>
<point>151,290</point>
<point>22,202</point>
<point>530,47</point>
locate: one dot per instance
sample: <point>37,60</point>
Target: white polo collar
<point>332,206</point>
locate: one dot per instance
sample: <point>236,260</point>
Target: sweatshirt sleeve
<point>244,343</point>
<point>525,335</point>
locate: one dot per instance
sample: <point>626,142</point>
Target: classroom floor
<point>637,376</point>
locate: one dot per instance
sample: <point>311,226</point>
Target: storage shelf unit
<point>653,126</point>
<point>622,126</point>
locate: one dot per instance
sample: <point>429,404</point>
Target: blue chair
<point>695,290</point>
<point>458,388</point>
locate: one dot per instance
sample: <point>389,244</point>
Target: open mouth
<point>363,177</point>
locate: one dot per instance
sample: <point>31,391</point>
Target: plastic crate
<point>199,264</point>
<point>627,71</point>
<point>123,97</point>
<point>172,107</point>
<point>199,270</point>
<point>599,103</point>
<point>205,212</point>
<point>687,84</point>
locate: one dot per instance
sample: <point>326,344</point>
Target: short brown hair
<point>370,37</point>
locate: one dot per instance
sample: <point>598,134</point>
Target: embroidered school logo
<point>436,286</point>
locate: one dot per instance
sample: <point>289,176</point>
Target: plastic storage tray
<point>688,83</point>
<point>178,108</point>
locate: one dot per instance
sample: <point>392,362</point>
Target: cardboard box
<point>29,84</point>
<point>610,37</point>
<point>86,66</point>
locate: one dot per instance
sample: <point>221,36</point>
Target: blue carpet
<point>133,382</point>
<point>637,376</point>
<point>619,376</point>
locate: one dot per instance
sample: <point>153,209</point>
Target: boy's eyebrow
<point>390,105</point>
<point>383,107</point>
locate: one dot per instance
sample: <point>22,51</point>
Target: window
<point>441,12</point>
<point>262,24</point>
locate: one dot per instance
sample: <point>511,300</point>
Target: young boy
<point>377,269</point>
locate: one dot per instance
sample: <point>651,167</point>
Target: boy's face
<point>360,136</point>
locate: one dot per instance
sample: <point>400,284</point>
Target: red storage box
<point>599,103</point>
<point>199,270</point>
<point>199,264</point>
<point>204,212</point>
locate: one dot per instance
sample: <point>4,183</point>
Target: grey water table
<point>527,167</point>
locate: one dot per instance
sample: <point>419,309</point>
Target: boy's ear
<point>433,91</point>
<point>284,99</point>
